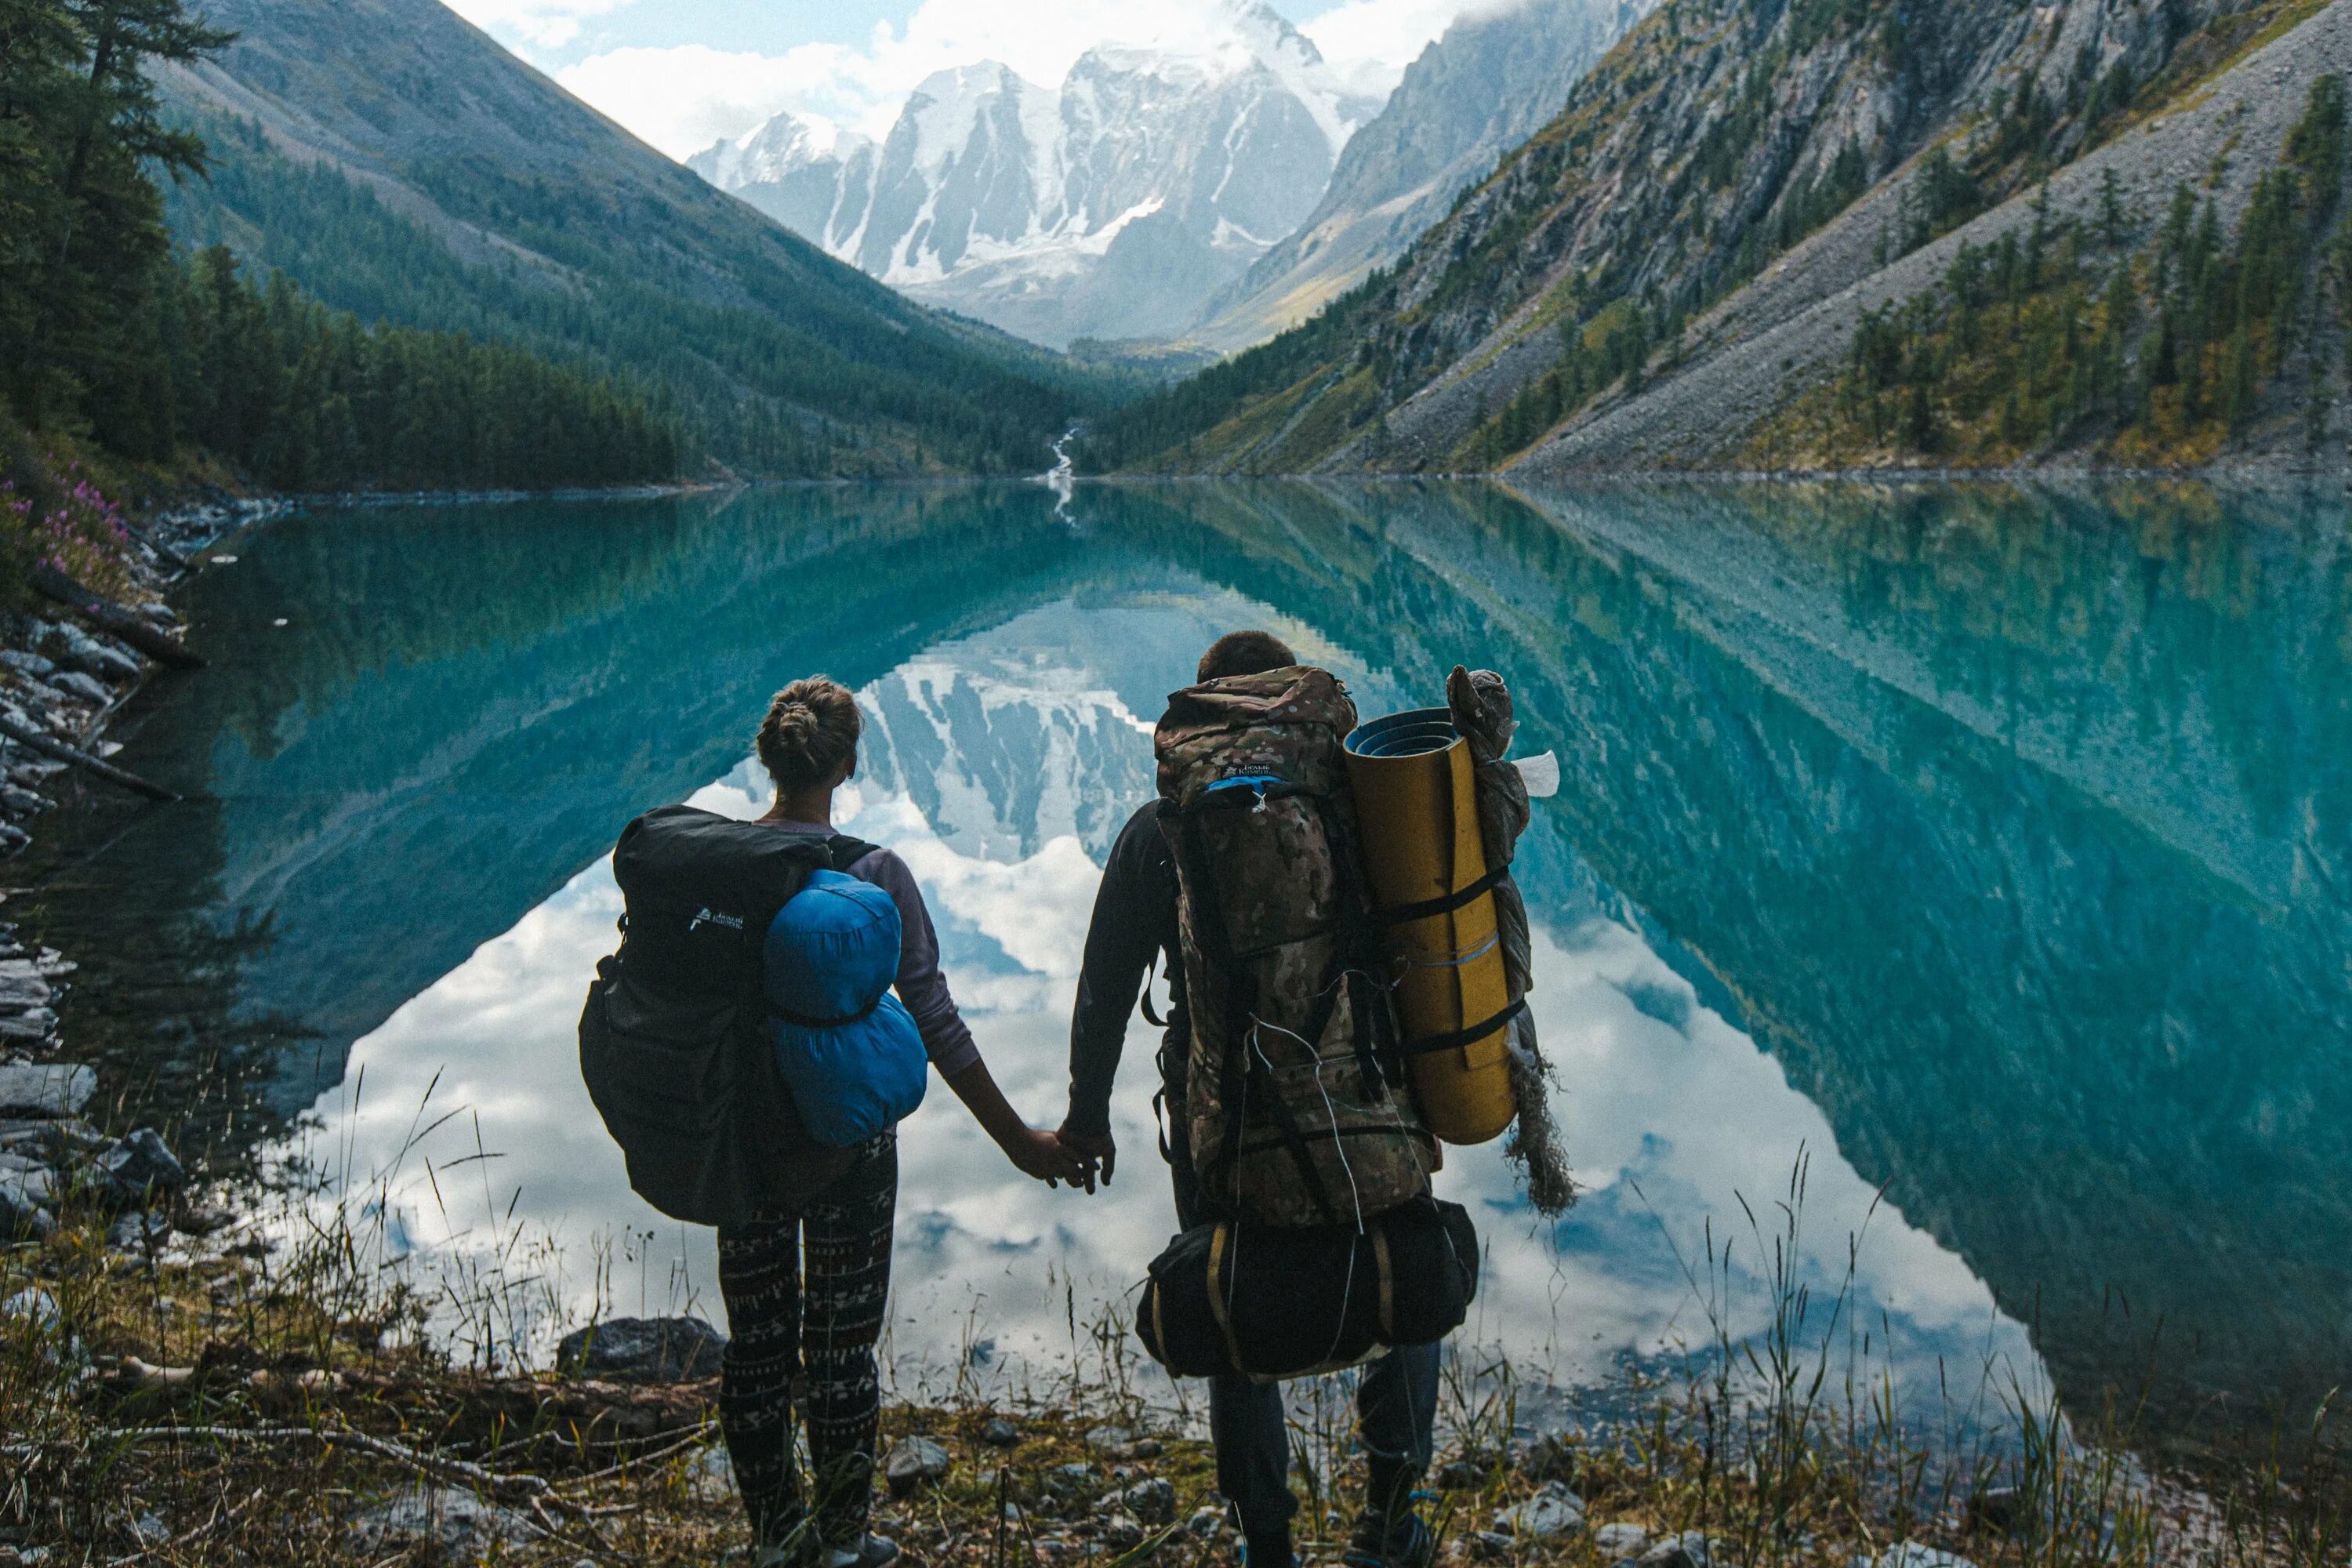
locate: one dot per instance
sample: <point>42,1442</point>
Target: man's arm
<point>1130,912</point>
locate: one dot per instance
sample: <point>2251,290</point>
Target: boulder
<point>642,1350</point>
<point>1122,1532</point>
<point>1545,1458</point>
<point>28,663</point>
<point>140,1166</point>
<point>1551,1513</point>
<point>74,683</point>
<point>23,1217</point>
<point>1691,1549</point>
<point>1153,1502</point>
<point>1067,1481</point>
<point>999,1433</point>
<point>465,1528</point>
<point>916,1462</point>
<point>1206,1523</point>
<point>1110,1439</point>
<point>34,1025</point>
<point>138,1231</point>
<point>1616,1542</point>
<point>55,1090</point>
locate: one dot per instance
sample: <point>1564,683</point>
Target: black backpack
<point>1270,1302</point>
<point>670,1042</point>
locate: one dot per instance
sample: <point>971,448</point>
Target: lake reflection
<point>1991,849</point>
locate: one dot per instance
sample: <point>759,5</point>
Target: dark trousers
<point>805,1295</point>
<point>1396,1410</point>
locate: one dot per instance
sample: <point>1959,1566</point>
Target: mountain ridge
<point>470,192</point>
<point>1688,172</point>
<point>1109,207</point>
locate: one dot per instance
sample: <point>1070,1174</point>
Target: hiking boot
<point>1391,1541</point>
<point>874,1551</point>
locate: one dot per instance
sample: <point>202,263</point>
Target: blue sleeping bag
<point>849,1050</point>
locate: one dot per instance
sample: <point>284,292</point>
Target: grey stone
<point>999,1433</point>
<point>642,1350</point>
<point>1912,1554</point>
<point>56,1088</point>
<point>1206,1523</point>
<point>22,1215</point>
<point>1691,1549</point>
<point>1110,1439</point>
<point>31,1305</point>
<point>1121,1531</point>
<point>1489,1545</point>
<point>1152,1502</point>
<point>74,683</point>
<point>1545,1458</point>
<point>711,1475</point>
<point>1551,1513</point>
<point>35,1024</point>
<point>20,992</point>
<point>1067,1481</point>
<point>139,1231</point>
<point>916,1462</point>
<point>1615,1543</point>
<point>24,800</point>
<point>31,664</point>
<point>465,1527</point>
<point>50,1143</point>
<point>141,1165</point>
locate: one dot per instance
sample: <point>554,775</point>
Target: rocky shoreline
<point>61,681</point>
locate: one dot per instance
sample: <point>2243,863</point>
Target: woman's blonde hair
<point>810,735</point>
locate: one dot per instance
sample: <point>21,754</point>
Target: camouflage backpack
<point>1295,1107</point>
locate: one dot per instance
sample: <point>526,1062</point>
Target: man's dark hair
<point>1245,653</point>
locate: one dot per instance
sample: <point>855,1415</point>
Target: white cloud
<point>684,97</point>
<point>543,24</point>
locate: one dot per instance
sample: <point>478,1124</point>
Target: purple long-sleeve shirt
<point>922,985</point>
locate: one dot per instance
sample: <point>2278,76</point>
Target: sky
<point>684,73</point>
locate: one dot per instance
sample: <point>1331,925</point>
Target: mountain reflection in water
<point>1993,847</point>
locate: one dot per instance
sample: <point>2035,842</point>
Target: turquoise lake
<point>1985,854</point>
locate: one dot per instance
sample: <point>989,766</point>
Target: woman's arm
<point>1034,1151</point>
<point>923,988</point>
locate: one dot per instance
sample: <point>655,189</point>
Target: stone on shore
<point>1153,1502</point>
<point>1616,1542</point>
<point>1551,1513</point>
<point>55,1088</point>
<point>24,1205</point>
<point>642,1350</point>
<point>74,683</point>
<point>1000,1433</point>
<point>1912,1554</point>
<point>1691,1549</point>
<point>463,1527</point>
<point>916,1462</point>
<point>140,1165</point>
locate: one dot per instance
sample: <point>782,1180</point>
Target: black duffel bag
<point>1272,1303</point>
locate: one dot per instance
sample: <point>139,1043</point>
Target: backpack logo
<point>712,916</point>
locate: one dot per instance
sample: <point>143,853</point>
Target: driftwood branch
<point>507,1488</point>
<point>109,617</point>
<point>24,732</point>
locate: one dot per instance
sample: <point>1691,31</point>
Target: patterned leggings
<point>823,1329</point>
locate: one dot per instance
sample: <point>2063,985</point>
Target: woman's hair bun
<point>810,736</point>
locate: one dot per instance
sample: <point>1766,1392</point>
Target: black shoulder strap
<point>847,851</point>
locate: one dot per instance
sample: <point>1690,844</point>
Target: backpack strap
<point>847,851</point>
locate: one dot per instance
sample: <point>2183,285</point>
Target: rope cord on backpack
<point>1457,960</point>
<point>1355,1195</point>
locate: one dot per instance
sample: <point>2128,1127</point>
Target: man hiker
<point>1135,924</point>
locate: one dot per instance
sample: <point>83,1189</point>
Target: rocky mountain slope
<point>1493,80</point>
<point>397,163</point>
<point>1111,207</point>
<point>1733,165</point>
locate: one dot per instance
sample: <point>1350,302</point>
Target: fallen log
<point>25,732</point>
<point>109,617</point>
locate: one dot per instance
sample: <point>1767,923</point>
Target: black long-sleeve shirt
<point>1134,923</point>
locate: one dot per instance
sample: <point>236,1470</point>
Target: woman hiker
<point>806,1291</point>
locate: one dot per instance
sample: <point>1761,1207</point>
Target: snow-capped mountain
<point>1492,82</point>
<point>1113,206</point>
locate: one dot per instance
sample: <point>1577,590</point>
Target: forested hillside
<point>105,337</point>
<point>397,164</point>
<point>1678,266</point>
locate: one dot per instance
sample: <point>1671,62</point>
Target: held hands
<point>1097,1152</point>
<point>1048,1157</point>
